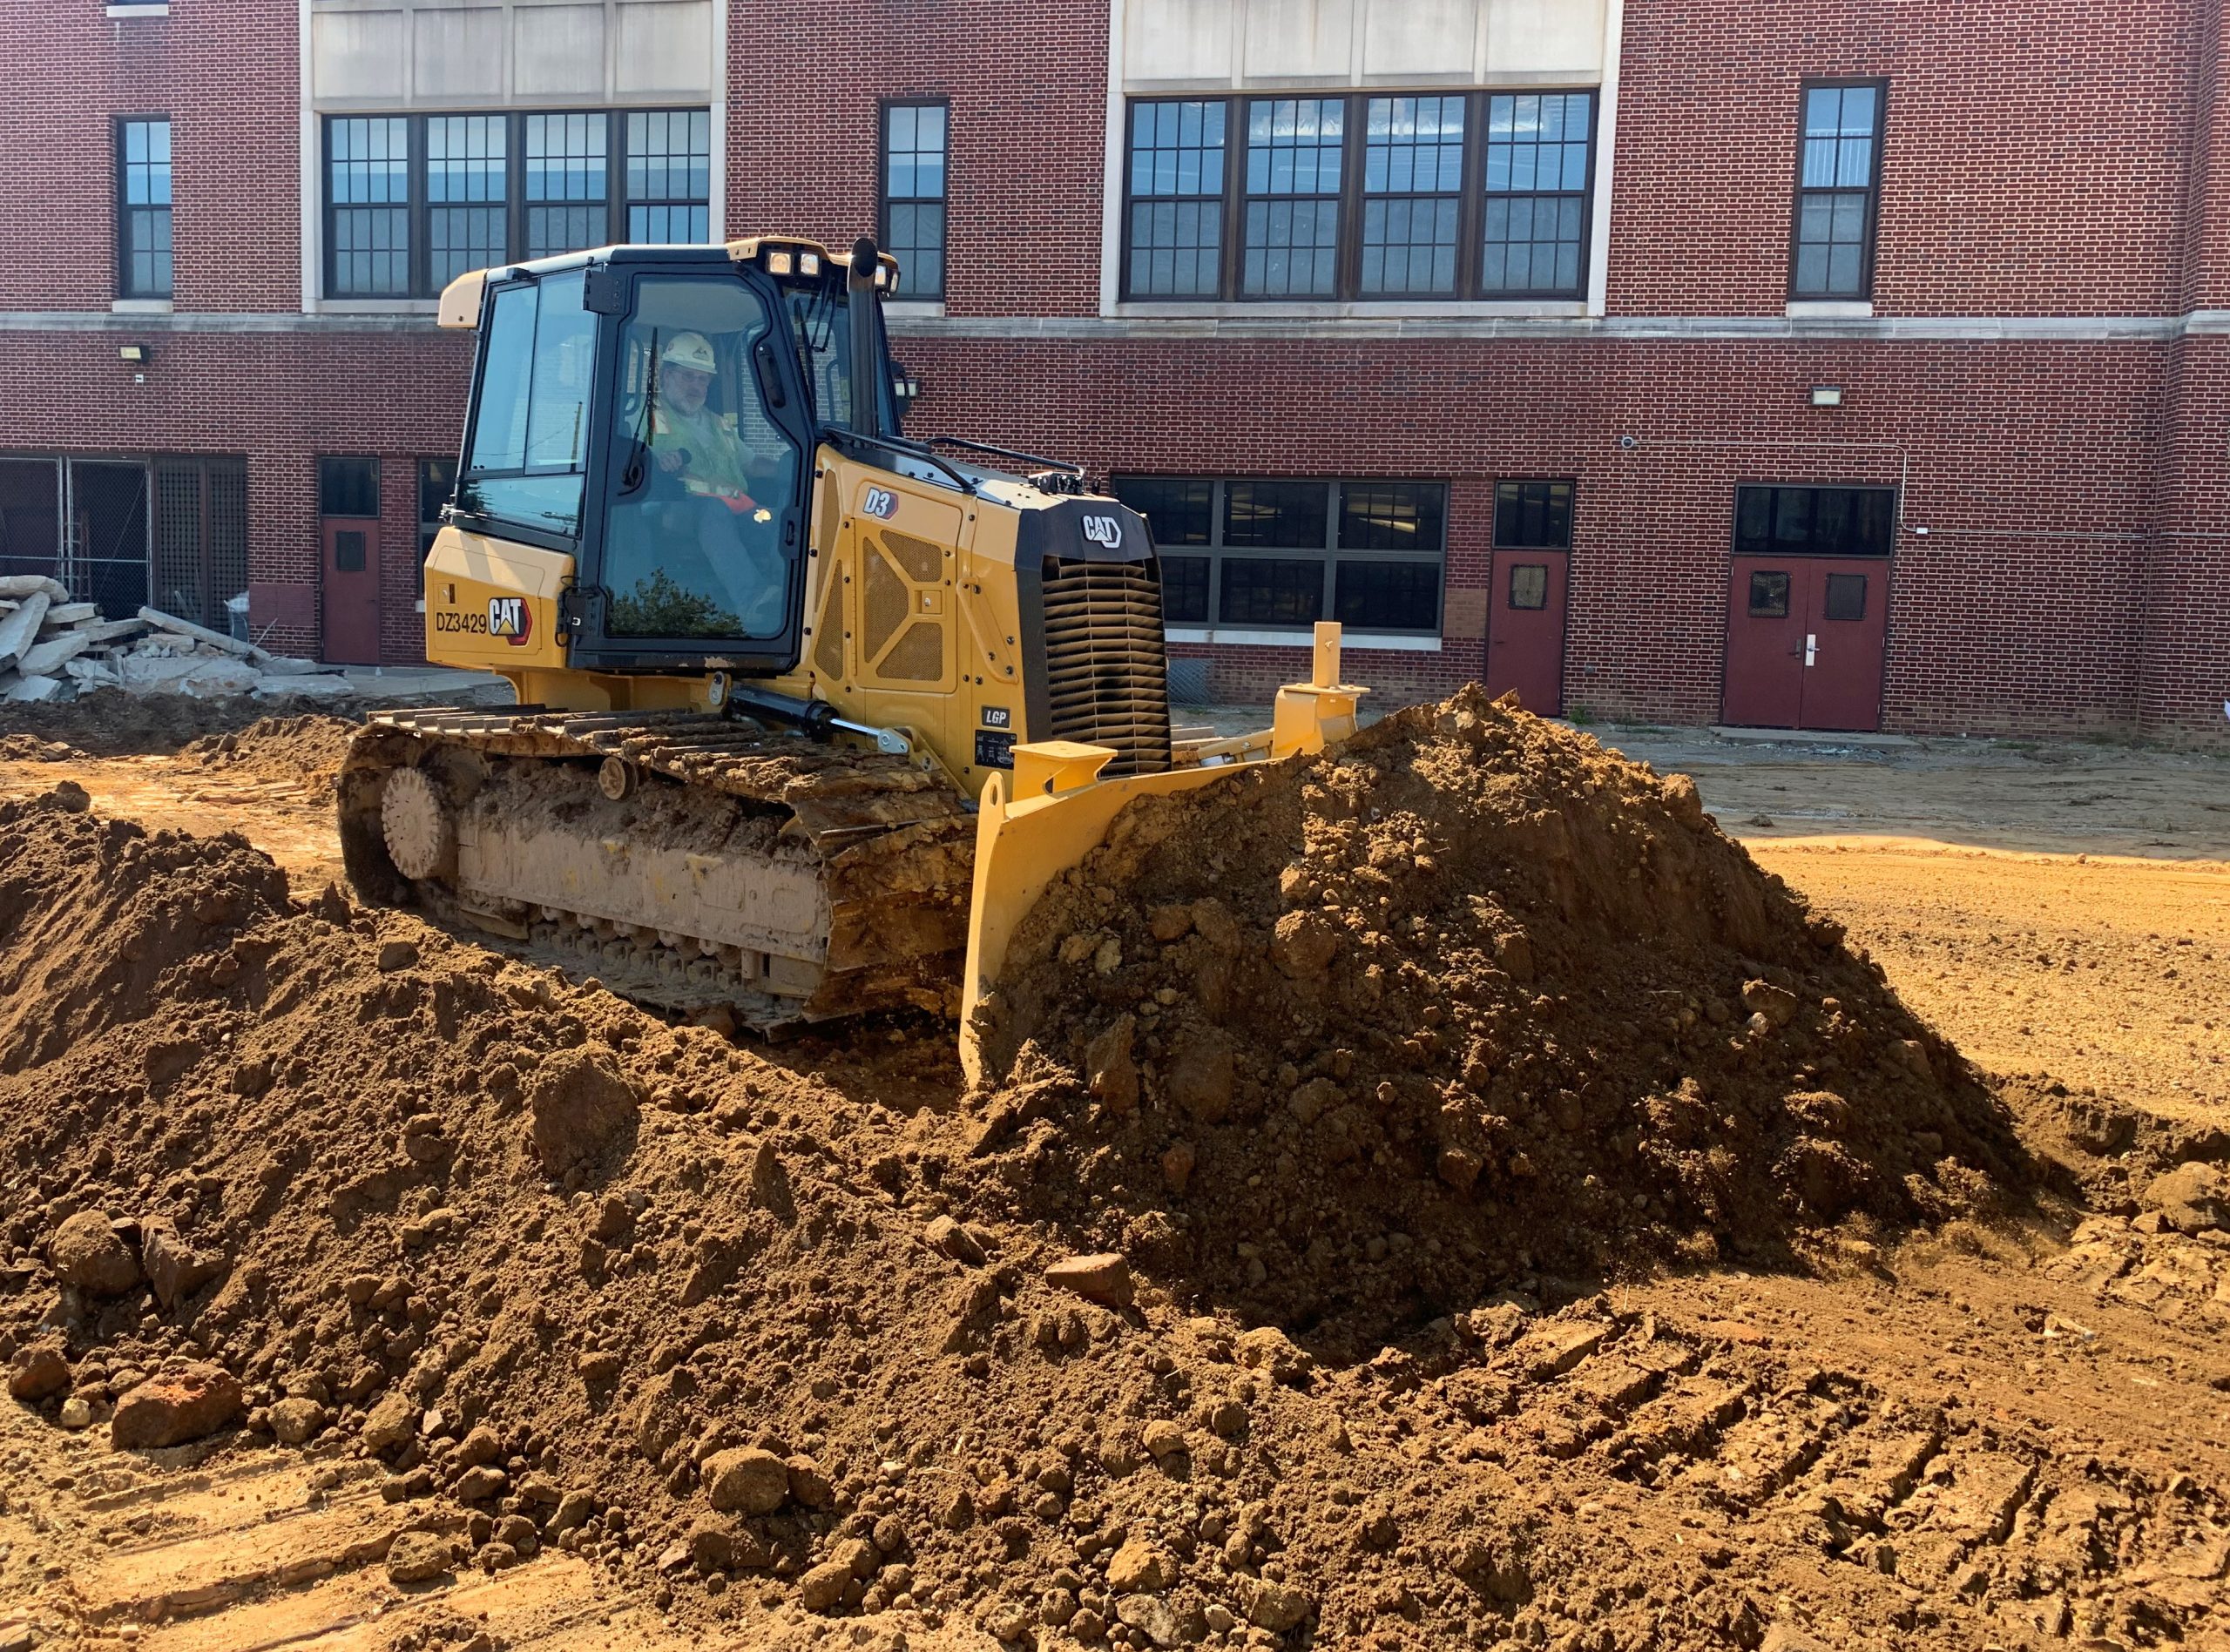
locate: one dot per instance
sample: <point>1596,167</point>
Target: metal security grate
<point>1106,670</point>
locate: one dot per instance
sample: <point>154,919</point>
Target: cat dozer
<point>809,713</point>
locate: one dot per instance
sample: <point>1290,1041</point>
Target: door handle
<point>1811,649</point>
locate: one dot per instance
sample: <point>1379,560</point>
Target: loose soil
<point>528,1277</point>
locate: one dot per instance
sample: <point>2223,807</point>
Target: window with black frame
<point>1290,233</point>
<point>1838,190</point>
<point>527,457</point>
<point>413,201</point>
<point>143,203</point>
<point>1278,554</point>
<point>1778,519</point>
<point>1479,195</point>
<point>913,195</point>
<point>1174,223</point>
<point>436,486</point>
<point>1533,515</point>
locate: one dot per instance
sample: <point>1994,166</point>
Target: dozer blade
<point>1056,809</point>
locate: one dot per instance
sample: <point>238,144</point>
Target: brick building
<point>1862,365</point>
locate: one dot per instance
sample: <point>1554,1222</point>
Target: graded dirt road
<point>2009,1429</point>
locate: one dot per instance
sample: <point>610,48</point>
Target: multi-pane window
<point>1282,553</point>
<point>1838,171</point>
<point>414,201</point>
<point>1177,199</point>
<point>568,183</point>
<point>1463,195</point>
<point>913,195</point>
<point>1538,145</point>
<point>1412,183</point>
<point>1776,521</point>
<point>1533,515</point>
<point>669,176</point>
<point>143,200</point>
<point>1292,235</point>
<point>367,205</point>
<point>468,219</point>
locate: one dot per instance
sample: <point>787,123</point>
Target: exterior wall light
<point>1826,395</point>
<point>135,353</point>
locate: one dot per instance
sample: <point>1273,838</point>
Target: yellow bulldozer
<point>809,712</point>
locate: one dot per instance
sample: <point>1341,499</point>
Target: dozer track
<point>695,862</point>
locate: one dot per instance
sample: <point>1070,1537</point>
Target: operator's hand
<point>672,459</point>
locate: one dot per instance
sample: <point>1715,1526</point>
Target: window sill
<point>159,8</point>
<point>1164,309</point>
<point>1830,309</point>
<point>140,307</point>
<point>914,309</point>
<point>377,307</point>
<point>1226,637</point>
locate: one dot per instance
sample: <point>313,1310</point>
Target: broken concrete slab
<point>202,634</point>
<point>45,658</point>
<point>70,613</point>
<point>17,631</point>
<point>16,587</point>
<point>34,689</point>
<point>108,631</point>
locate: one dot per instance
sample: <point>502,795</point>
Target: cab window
<point>820,322</point>
<point>528,457</point>
<point>702,477</point>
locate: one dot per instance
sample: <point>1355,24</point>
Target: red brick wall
<point>226,73</point>
<point>2034,162</point>
<point>1027,90</point>
<point>2031,464</point>
<point>282,400</point>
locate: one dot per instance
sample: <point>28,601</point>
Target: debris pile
<point>1350,1042</point>
<point>52,647</point>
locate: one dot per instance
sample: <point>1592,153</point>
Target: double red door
<point>1805,640</point>
<point>1525,628</point>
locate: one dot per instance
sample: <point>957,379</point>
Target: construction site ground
<point>2027,1421</point>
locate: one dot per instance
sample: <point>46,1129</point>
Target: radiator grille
<point>1106,670</point>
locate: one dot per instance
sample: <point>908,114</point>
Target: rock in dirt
<point>392,1421</point>
<point>1104,1277</point>
<point>1138,1566</point>
<point>39,1372</point>
<point>823,1587</point>
<point>172,1409</point>
<point>747,1480</point>
<point>1275,1606</point>
<point>581,1106</point>
<point>88,1254</point>
<point>2194,1198</point>
<point>418,1557</point>
<point>295,1422</point>
<point>175,1269</point>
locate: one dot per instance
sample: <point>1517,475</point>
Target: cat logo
<point>508,617</point>
<point>1104,530</point>
<point>880,503</point>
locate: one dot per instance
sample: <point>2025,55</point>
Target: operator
<point>690,441</point>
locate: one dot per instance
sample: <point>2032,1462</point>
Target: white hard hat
<point>690,350</point>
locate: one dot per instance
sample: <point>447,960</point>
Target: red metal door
<point>1805,639</point>
<point>1846,630</point>
<point>1765,643</point>
<point>1525,628</point>
<point>351,582</point>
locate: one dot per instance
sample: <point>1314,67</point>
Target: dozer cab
<point>809,712</point>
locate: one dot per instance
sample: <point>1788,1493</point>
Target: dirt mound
<point>309,748</point>
<point>1347,1043</point>
<point>794,1340</point>
<point>110,723</point>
